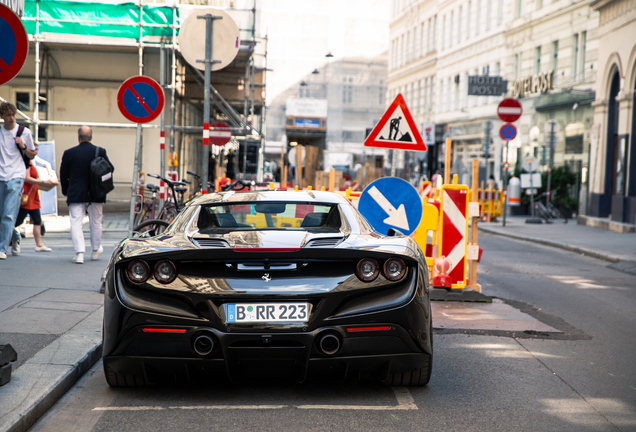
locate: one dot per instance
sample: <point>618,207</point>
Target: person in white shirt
<point>12,174</point>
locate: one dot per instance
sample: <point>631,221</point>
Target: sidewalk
<point>53,315</point>
<point>613,247</point>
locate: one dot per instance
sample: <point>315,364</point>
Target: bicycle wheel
<point>150,228</point>
<point>556,214</point>
<point>542,212</point>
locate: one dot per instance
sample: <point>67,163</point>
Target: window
<point>456,103</point>
<point>439,95</point>
<point>418,101</point>
<point>488,13</point>
<point>253,216</point>
<point>428,38</point>
<point>347,90</point>
<point>477,13</point>
<point>448,91</point>
<point>43,103</point>
<point>537,60</point>
<point>485,70</point>
<point>575,54</point>
<point>459,25</point>
<point>498,69</point>
<point>422,39</point>
<point>435,32</point>
<point>465,91</point>
<point>518,8</point>
<point>23,101</point>
<point>450,29</point>
<point>499,12</point>
<point>468,18</point>
<point>443,45</point>
<point>407,57</point>
<point>583,47</point>
<point>555,56</point>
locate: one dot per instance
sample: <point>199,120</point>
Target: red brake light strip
<point>164,330</point>
<point>356,329</point>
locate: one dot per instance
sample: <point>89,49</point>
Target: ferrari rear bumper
<point>201,352</point>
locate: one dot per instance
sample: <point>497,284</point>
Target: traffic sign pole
<point>505,187</point>
<point>551,160</point>
<point>209,22</point>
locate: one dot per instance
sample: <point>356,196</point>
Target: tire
<point>150,228</point>
<point>115,379</point>
<point>418,377</point>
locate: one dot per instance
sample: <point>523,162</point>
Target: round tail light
<point>165,271</point>
<point>367,269</point>
<point>394,269</point>
<point>138,271</point>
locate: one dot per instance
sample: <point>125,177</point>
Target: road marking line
<point>402,394</point>
<point>194,407</point>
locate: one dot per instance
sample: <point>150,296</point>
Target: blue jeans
<point>9,206</point>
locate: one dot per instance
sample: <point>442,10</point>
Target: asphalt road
<point>583,380</point>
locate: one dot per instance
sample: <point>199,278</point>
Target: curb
<point>43,379</point>
<point>600,255</point>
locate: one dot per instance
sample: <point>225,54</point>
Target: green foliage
<point>563,178</point>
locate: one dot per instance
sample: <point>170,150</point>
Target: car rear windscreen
<point>269,215</point>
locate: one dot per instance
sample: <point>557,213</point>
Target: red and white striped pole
<point>162,147</point>
<point>206,157</point>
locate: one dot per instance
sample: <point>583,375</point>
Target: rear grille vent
<point>207,243</point>
<point>325,242</point>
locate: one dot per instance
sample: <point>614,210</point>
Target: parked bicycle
<point>548,211</point>
<point>148,222</point>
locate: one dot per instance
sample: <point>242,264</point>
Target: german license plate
<point>267,312</point>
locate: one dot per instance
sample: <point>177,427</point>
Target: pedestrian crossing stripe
<point>396,129</point>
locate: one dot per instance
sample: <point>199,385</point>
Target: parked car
<point>267,283</point>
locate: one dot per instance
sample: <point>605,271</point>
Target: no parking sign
<point>14,45</point>
<point>140,99</point>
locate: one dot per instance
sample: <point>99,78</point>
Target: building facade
<point>613,149</point>
<point>546,51</point>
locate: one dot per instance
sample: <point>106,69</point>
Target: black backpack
<point>101,177</point>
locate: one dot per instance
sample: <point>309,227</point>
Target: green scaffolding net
<point>99,19</point>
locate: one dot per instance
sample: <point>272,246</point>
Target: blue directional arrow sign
<point>391,202</point>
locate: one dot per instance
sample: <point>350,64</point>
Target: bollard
<point>7,356</point>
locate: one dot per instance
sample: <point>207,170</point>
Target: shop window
<point>574,144</point>
<point>574,133</point>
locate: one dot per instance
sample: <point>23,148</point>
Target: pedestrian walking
<point>14,141</point>
<point>31,206</point>
<point>75,182</point>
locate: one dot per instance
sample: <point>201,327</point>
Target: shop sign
<point>540,83</point>
<point>428,133</point>
<point>485,85</point>
<point>307,123</point>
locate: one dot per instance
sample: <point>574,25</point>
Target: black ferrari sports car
<point>267,283</point>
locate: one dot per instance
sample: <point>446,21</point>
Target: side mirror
<point>394,233</point>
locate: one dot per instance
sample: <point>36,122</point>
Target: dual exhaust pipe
<point>328,343</point>
<point>203,343</point>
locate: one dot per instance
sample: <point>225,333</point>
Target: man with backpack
<point>85,180</point>
<point>15,141</point>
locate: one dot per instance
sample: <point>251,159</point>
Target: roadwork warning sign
<point>396,129</point>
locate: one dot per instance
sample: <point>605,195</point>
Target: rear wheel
<point>115,379</point>
<point>417,377</point>
<point>150,228</point>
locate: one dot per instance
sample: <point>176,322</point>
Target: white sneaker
<point>15,248</point>
<point>3,255</point>
<point>97,253</point>
<point>78,258</point>
<point>43,249</point>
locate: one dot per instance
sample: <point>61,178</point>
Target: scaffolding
<point>144,26</point>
